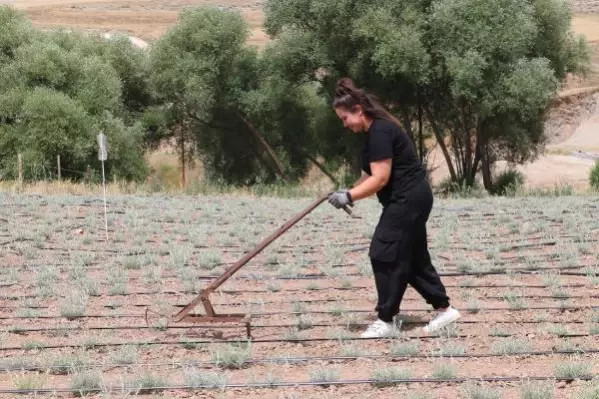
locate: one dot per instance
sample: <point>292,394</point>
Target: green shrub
<point>463,188</point>
<point>507,182</point>
<point>594,177</point>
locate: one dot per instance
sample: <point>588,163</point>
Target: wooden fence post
<point>88,174</point>
<point>58,164</point>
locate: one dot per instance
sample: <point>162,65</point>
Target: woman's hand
<point>339,199</point>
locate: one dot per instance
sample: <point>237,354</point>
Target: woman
<point>398,250</point>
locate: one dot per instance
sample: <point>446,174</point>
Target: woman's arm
<point>369,185</point>
<point>361,179</point>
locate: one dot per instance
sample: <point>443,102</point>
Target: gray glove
<point>341,198</point>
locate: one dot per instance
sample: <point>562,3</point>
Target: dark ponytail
<point>348,96</point>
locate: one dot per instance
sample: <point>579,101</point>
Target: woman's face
<point>353,120</point>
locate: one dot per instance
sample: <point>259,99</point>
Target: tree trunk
<point>269,150</point>
<point>420,137</point>
<point>258,151</point>
<point>477,157</point>
<point>405,117</point>
<point>478,151</point>
<point>486,168</point>
<point>182,144</point>
<point>439,138</point>
<point>467,143</point>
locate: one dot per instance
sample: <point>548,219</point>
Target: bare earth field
<point>523,272</point>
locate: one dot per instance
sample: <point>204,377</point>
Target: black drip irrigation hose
<point>557,297</point>
<point>312,247</point>
<point>347,248</point>
<point>296,360</point>
<point>288,248</point>
<point>238,292</point>
<point>522,271</point>
<point>265,326</point>
<point>258,341</point>
<point>467,214</point>
<point>328,312</point>
<point>260,314</point>
<point>385,382</point>
<point>496,269</point>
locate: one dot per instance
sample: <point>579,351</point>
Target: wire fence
<point>30,169</point>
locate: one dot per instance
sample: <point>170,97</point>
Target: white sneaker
<point>441,320</point>
<point>379,329</point>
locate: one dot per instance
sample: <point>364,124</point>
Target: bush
<point>594,177</point>
<point>58,90</point>
<point>506,183</point>
<point>463,188</point>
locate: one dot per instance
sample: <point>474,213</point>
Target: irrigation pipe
<point>548,259</point>
<point>295,360</point>
<point>522,271</point>
<point>332,312</point>
<point>255,326</point>
<point>304,301</point>
<point>250,291</point>
<point>260,314</point>
<point>385,382</point>
<point>357,240</point>
<point>254,341</point>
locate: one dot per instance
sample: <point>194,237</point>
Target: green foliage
<point>463,188</point>
<point>506,183</point>
<point>192,62</point>
<point>58,90</point>
<point>594,176</point>
<point>50,124</point>
<point>126,148</point>
<point>200,68</point>
<point>483,71</point>
<point>15,31</point>
<point>224,99</point>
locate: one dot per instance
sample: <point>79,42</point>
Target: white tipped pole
<point>103,156</point>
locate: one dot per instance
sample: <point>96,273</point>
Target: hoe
<point>185,315</point>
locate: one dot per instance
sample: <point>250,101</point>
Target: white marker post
<point>103,156</point>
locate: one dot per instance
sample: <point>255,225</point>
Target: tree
<point>192,66</point>
<point>130,63</point>
<point>482,72</point>
<point>15,31</point>
<point>502,68</point>
<point>56,94</point>
<point>337,44</point>
<point>50,124</point>
<point>287,107</point>
<point>247,121</point>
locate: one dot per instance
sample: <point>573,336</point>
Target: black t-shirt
<point>387,140</point>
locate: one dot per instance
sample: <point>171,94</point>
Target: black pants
<point>399,253</point>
